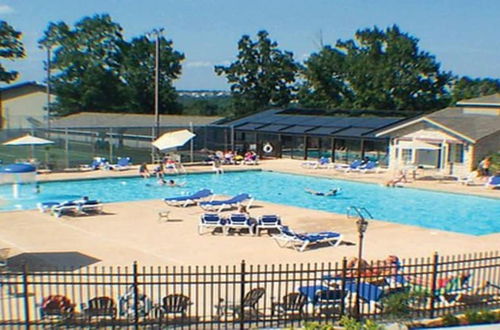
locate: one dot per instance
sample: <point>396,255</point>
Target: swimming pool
<point>451,212</point>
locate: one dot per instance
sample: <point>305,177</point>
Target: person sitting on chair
<point>331,192</point>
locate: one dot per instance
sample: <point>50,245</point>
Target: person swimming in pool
<point>172,183</point>
<point>331,192</point>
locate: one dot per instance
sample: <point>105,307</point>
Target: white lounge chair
<point>240,221</point>
<point>288,238</point>
<point>212,221</point>
<point>267,222</point>
<point>467,180</point>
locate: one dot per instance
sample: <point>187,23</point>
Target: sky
<point>461,34</point>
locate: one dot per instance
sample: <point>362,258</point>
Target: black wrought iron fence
<point>248,296</point>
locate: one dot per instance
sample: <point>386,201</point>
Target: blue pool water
<point>451,212</point>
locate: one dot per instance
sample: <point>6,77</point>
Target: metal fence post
<point>242,295</point>
<point>136,296</point>
<point>26,297</point>
<point>435,264</point>
<point>344,274</point>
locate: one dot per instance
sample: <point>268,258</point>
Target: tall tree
<point>379,69</point>
<point>11,48</point>
<point>323,83</point>
<point>138,72</point>
<point>467,88</point>
<point>97,70</point>
<point>262,75</point>
<point>86,59</point>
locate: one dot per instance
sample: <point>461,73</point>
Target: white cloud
<point>199,64</point>
<point>6,9</point>
<point>205,64</point>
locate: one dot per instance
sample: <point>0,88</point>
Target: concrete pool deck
<point>130,231</point>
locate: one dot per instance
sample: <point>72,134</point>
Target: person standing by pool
<point>484,167</point>
<point>217,165</point>
<point>143,171</point>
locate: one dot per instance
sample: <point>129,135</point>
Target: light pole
<point>156,33</point>
<point>48,67</point>
<point>362,226</point>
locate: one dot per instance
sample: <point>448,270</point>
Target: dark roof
<point>315,122</point>
<point>100,119</point>
<point>20,89</point>
<point>468,123</point>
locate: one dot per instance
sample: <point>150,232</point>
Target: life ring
<point>267,148</point>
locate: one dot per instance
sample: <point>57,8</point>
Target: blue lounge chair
<point>190,199</point>
<point>348,168</point>
<point>493,182</point>
<point>122,164</point>
<point>97,163</point>
<point>240,221</point>
<point>211,220</point>
<point>65,208</point>
<point>371,166</point>
<point>74,207</point>
<point>267,222</point>
<point>288,238</point>
<point>228,203</point>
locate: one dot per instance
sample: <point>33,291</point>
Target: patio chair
<point>325,300</point>
<point>288,238</point>
<point>173,304</point>
<point>195,198</point>
<point>449,290</point>
<point>268,222</point>
<point>212,221</point>
<point>122,164</point>
<point>228,203</point>
<point>127,304</point>
<point>292,305</point>
<point>493,182</point>
<point>99,307</point>
<point>57,306</point>
<point>249,304</point>
<point>240,221</point>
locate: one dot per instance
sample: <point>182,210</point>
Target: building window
<point>456,154</point>
<point>406,156</point>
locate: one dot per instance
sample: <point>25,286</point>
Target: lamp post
<point>362,226</point>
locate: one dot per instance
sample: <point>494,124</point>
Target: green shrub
<point>481,317</point>
<point>318,326</point>
<point>450,320</point>
<point>350,323</point>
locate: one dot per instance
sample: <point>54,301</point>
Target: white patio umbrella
<point>173,139</point>
<point>28,140</point>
